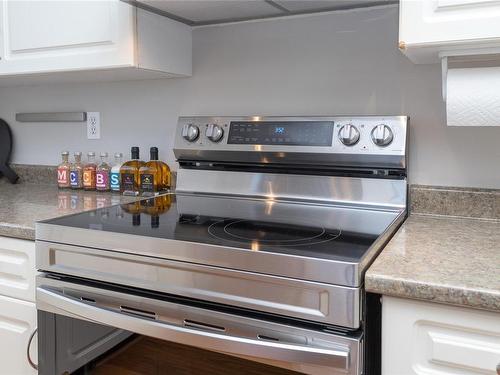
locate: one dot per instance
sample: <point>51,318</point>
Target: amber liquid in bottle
<point>129,174</point>
<point>153,175</point>
<point>166,181</point>
<point>89,171</point>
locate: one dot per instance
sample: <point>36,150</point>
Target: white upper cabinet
<point>109,38</point>
<point>428,28</point>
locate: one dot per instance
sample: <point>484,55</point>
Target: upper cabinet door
<point>428,27</point>
<point>48,36</point>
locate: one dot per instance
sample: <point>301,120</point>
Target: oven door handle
<point>239,346</point>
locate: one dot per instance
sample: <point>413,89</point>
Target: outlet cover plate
<point>93,125</point>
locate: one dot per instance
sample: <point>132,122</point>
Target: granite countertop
<point>441,259</point>
<point>435,258</point>
<point>22,205</point>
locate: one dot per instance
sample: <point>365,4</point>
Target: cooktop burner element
<point>269,234</point>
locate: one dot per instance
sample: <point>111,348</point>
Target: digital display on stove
<point>286,133</point>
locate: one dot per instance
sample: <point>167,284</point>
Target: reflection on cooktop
<point>308,231</point>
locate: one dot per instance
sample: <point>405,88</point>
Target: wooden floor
<point>148,356</point>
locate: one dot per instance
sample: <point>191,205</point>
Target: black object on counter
<point>5,150</point>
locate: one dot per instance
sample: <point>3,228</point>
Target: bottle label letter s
<point>115,181</point>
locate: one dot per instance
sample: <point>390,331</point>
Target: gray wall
<point>340,63</point>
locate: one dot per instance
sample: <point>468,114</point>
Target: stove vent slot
<point>267,338</point>
<point>86,299</point>
<point>200,325</point>
<point>138,312</point>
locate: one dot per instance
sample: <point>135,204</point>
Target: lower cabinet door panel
<point>428,338</point>
<point>17,322</point>
<point>17,268</point>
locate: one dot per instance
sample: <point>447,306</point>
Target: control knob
<point>349,135</point>
<point>382,135</point>
<point>214,132</point>
<point>190,132</point>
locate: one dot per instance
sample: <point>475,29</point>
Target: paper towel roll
<point>473,97</point>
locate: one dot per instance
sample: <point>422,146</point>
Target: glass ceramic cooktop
<point>311,230</point>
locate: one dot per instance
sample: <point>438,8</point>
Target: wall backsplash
<point>337,63</point>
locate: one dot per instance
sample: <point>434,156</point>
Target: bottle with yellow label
<point>89,172</point>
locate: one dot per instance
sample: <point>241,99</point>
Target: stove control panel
<point>281,133</point>
<point>294,139</point>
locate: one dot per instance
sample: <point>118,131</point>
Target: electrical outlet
<point>93,125</point>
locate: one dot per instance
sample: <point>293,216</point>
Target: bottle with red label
<point>89,172</point>
<point>63,171</point>
<point>102,173</point>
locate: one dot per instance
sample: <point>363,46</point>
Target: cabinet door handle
<point>28,356</point>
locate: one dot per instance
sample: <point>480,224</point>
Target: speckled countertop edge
<point>430,292</point>
<point>17,231</point>
<point>428,260</point>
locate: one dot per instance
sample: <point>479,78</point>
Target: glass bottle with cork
<point>76,172</point>
<point>89,172</point>
<point>102,173</point>
<point>114,177</point>
<point>154,175</point>
<point>129,174</point>
<point>63,171</point>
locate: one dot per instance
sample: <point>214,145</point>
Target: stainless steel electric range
<point>259,254</point>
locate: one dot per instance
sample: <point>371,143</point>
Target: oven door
<point>164,319</point>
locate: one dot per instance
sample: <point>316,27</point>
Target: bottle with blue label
<point>76,172</point>
<point>115,172</point>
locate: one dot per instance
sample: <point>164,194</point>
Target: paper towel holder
<point>474,58</point>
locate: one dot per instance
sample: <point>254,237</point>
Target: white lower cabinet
<point>17,306</point>
<point>17,322</point>
<point>17,268</point>
<point>433,339</point>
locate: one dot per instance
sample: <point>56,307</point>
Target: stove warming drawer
<point>305,300</point>
<point>307,351</point>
